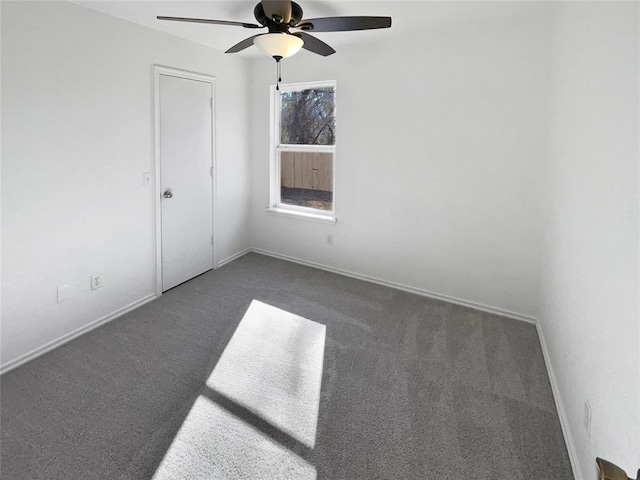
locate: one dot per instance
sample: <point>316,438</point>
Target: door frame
<point>158,71</point>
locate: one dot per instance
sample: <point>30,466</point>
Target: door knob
<point>168,194</point>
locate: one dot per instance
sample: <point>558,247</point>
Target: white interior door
<point>186,155</point>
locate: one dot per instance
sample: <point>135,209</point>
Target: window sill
<point>311,217</point>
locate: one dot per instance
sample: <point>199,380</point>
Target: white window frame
<point>275,206</point>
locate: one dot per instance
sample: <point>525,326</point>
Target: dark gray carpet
<point>412,388</point>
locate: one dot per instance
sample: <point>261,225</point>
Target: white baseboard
<point>562,415</point>
<point>230,259</point>
<point>22,359</point>
<point>406,288</point>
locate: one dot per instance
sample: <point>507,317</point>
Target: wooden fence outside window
<point>308,170</point>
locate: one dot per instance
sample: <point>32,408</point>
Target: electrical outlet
<point>587,417</point>
<point>329,239</point>
<point>96,281</point>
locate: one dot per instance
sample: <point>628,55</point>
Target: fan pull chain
<point>278,71</point>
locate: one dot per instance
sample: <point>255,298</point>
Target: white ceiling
<point>406,16</point>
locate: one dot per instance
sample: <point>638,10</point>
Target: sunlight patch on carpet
<point>213,443</point>
<point>272,366</point>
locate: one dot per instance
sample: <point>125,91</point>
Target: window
<point>303,149</point>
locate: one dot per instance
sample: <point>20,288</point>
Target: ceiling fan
<point>279,16</point>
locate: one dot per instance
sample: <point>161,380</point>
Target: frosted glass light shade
<point>278,44</point>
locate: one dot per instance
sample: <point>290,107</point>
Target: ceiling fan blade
<point>246,43</point>
<point>207,20</point>
<point>343,24</point>
<point>278,8</point>
<point>314,44</point>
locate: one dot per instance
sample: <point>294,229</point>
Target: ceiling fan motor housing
<point>261,17</point>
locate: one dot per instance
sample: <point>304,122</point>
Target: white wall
<point>468,154</point>
<point>439,138</point>
<point>589,296</point>
<point>77,130</point>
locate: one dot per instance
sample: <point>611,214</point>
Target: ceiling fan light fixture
<point>278,44</point>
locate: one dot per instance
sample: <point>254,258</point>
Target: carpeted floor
<point>412,388</point>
